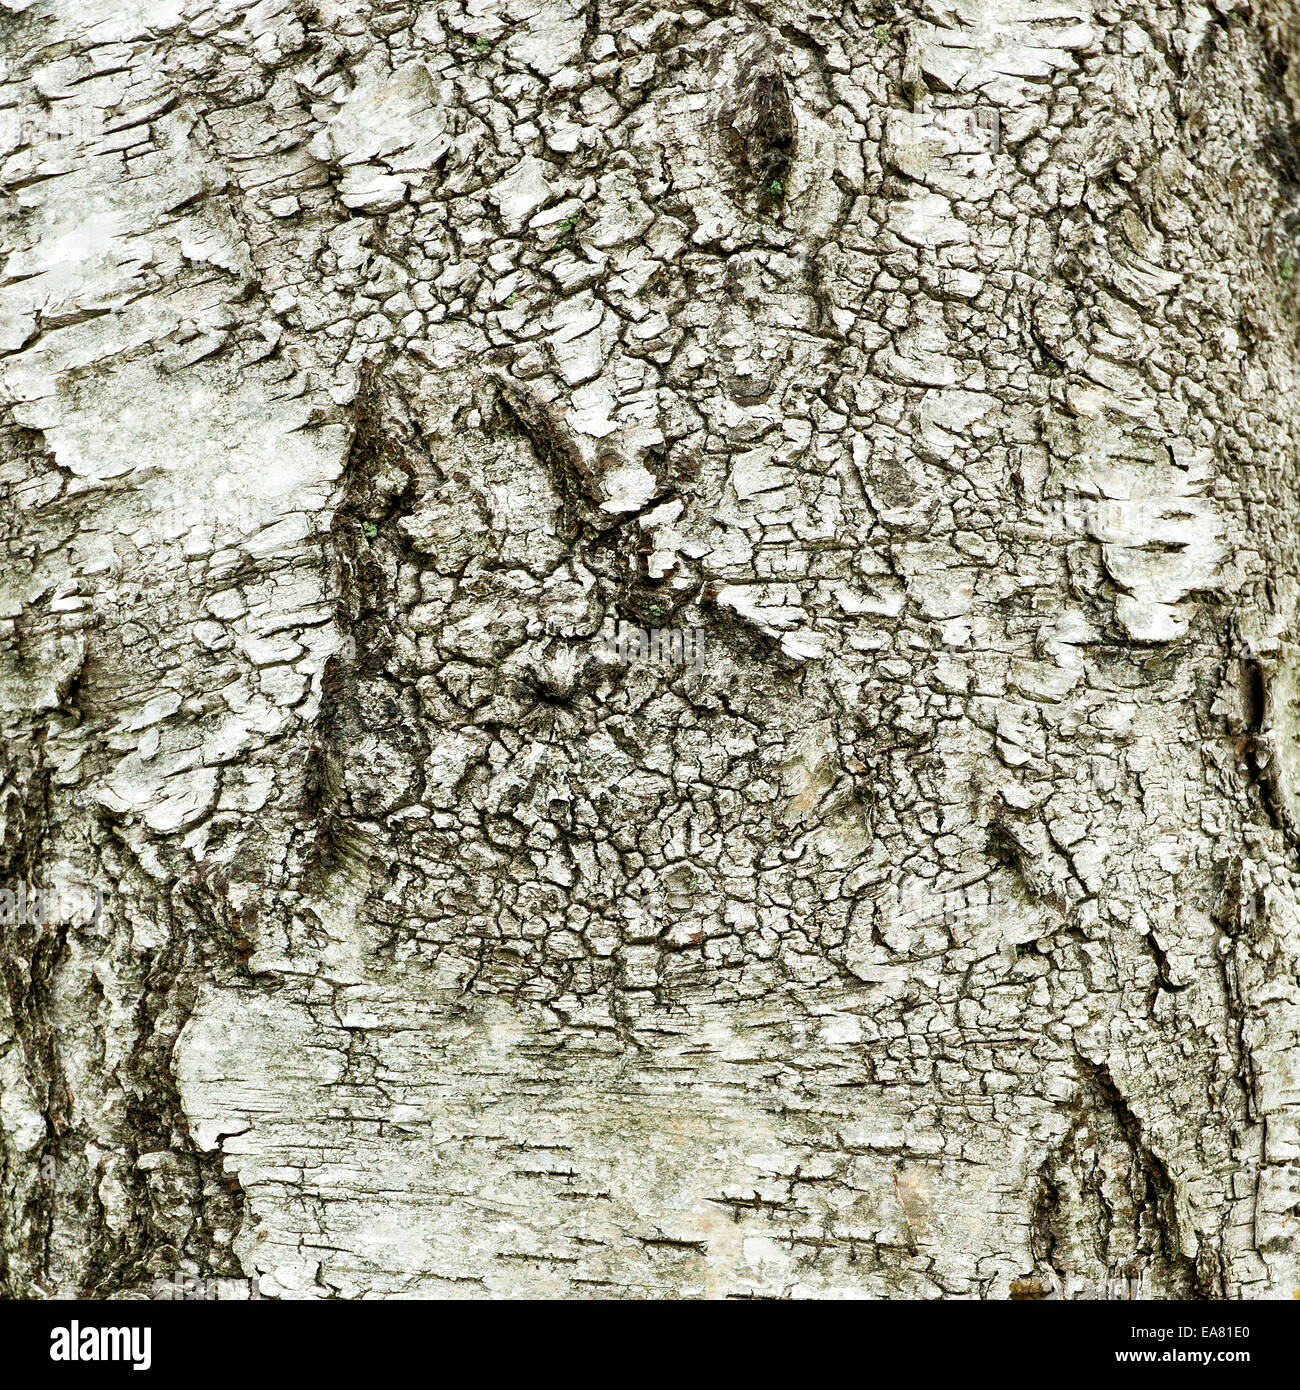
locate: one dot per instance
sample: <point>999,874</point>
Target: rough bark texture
<point>366,363</point>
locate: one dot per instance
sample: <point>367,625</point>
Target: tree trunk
<point>650,652</point>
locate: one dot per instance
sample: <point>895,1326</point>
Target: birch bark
<point>368,367</point>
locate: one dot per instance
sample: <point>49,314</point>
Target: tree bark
<point>371,371</point>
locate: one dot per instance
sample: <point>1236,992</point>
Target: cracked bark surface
<point>365,363</point>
